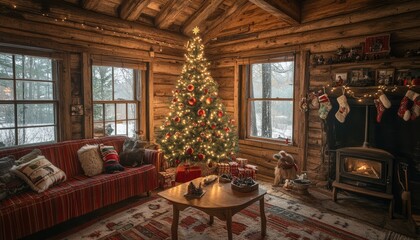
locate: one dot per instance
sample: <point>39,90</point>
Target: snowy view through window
<point>114,100</point>
<point>271,100</point>
<point>27,100</point>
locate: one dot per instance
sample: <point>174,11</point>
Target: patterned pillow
<point>28,157</point>
<point>111,159</point>
<point>90,160</point>
<point>39,173</point>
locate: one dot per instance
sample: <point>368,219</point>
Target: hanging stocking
<point>406,104</point>
<point>380,108</point>
<point>415,110</point>
<point>313,101</point>
<point>343,108</point>
<point>324,106</point>
<point>385,101</point>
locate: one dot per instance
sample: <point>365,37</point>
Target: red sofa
<point>30,212</point>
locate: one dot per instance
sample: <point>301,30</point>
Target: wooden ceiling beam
<point>285,10</point>
<point>207,8</point>
<point>90,4</point>
<point>220,23</point>
<point>167,16</point>
<point>131,9</point>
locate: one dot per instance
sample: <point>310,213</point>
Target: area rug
<point>286,219</point>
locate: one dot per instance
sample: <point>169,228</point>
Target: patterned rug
<point>286,219</point>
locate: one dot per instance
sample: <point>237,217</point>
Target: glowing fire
<point>362,168</point>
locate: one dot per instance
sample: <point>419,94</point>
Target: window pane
<point>6,65</point>
<point>102,83</point>
<point>122,127</point>
<point>271,119</point>
<point>36,135</point>
<point>98,130</point>
<point>35,114</point>
<point>121,111</point>
<point>110,111</point>
<point>109,128</point>
<point>7,137</point>
<point>26,90</point>
<point>132,128</point>
<point>132,109</point>
<point>272,80</point>
<point>37,68</point>
<point>98,112</point>
<point>123,84</point>
<point>19,66</point>
<point>6,90</point>
<point>7,118</point>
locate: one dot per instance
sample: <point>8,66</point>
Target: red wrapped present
<point>247,172</point>
<point>234,168</point>
<point>223,168</point>
<point>187,173</point>
<point>242,162</point>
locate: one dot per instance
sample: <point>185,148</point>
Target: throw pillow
<point>6,163</point>
<point>39,173</point>
<point>132,154</point>
<point>90,160</point>
<point>111,159</point>
<point>28,157</point>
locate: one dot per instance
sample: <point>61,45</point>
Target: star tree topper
<point>196,30</point>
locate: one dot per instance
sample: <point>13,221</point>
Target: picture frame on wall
<point>385,76</point>
<point>377,44</point>
<point>361,78</point>
<point>340,79</point>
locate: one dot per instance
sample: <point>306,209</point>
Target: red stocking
<point>380,108</point>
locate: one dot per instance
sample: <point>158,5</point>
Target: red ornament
<point>192,101</point>
<point>227,129</point>
<point>199,139</point>
<point>213,126</point>
<point>177,161</point>
<point>177,119</point>
<point>200,156</point>
<point>209,100</point>
<point>190,87</point>
<point>189,151</point>
<point>201,113</point>
<point>168,135</point>
<point>210,164</point>
<point>175,100</point>
<point>206,90</point>
<point>220,114</point>
<point>203,124</point>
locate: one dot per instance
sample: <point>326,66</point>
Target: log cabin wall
<point>325,26</point>
<point>75,35</point>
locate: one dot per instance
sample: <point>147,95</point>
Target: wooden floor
<point>362,208</point>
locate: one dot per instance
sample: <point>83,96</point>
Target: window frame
<point>56,62</point>
<point>245,73</point>
<point>139,77</point>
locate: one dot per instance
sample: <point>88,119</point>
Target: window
<point>115,93</point>
<point>270,100</point>
<point>28,99</point>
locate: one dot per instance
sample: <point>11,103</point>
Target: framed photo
<point>361,78</point>
<point>377,44</point>
<point>385,76</point>
<point>340,79</point>
<point>76,110</point>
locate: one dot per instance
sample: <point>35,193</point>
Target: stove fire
<point>363,167</point>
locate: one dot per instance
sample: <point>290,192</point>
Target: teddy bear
<point>286,167</point>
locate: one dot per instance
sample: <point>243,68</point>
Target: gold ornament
<point>196,30</point>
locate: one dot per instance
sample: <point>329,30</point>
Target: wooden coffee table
<point>219,200</point>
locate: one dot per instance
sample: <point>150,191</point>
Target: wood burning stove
<point>365,170</point>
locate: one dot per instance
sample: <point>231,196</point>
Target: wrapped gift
<point>250,166</point>
<point>166,179</point>
<point>223,168</point>
<point>242,162</point>
<point>186,173</point>
<point>247,172</point>
<point>234,168</point>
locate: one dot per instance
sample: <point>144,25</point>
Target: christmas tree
<point>197,128</point>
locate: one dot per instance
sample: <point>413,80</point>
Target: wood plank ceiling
<point>216,18</point>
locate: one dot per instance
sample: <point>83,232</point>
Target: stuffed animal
<point>286,167</point>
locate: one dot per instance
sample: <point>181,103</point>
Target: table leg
<point>175,220</point>
<point>211,220</point>
<point>229,223</point>
<point>263,218</point>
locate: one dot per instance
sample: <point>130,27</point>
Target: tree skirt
<point>286,219</point>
